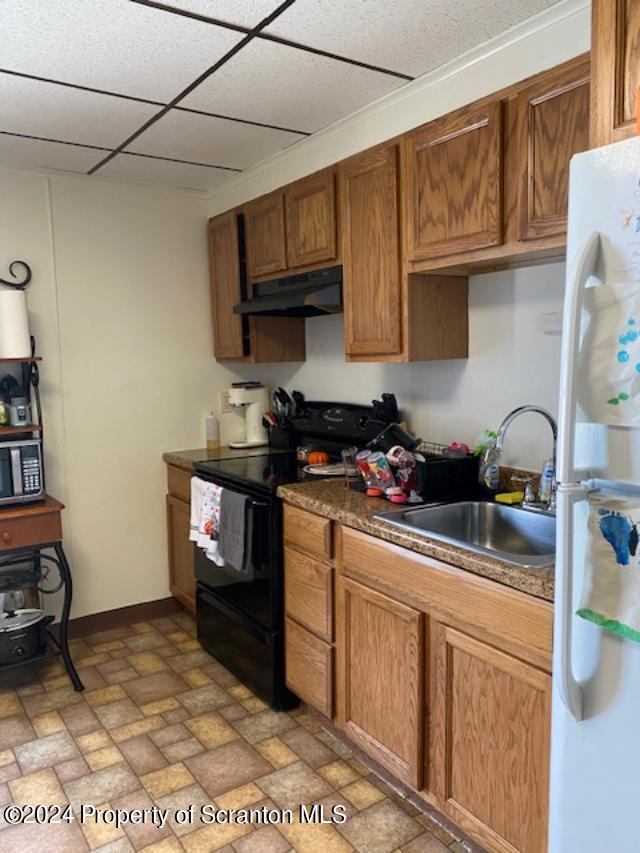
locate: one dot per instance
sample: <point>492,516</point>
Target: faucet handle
<point>529,494</point>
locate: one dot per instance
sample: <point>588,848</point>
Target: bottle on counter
<point>212,431</point>
<point>546,481</point>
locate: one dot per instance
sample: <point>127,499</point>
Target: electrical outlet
<point>224,406</point>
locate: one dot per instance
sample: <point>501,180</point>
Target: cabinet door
<point>224,278</point>
<point>454,183</point>
<point>182,576</point>
<point>553,119</point>
<point>264,232</point>
<point>371,255</point>
<point>490,742</point>
<point>380,688</point>
<point>311,220</point>
<point>615,52</point>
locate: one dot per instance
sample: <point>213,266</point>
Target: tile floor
<point>161,722</point>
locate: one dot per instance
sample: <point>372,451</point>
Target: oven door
<point>255,591</point>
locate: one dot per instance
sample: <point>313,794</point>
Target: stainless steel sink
<point>517,536</point>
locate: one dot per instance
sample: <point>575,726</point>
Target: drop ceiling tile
<point>214,141</point>
<point>281,85</point>
<point>114,45</point>
<point>246,13</point>
<point>19,153</point>
<point>409,36</point>
<point>163,172</point>
<point>69,115</point>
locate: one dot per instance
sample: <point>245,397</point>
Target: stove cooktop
<point>265,472</point>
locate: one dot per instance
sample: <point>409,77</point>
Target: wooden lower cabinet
<point>380,644</point>
<point>181,556</point>
<point>182,572</point>
<point>490,742</point>
<point>442,677</point>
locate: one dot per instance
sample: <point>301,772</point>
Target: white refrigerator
<point>595,750</point>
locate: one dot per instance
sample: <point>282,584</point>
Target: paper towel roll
<point>14,325</point>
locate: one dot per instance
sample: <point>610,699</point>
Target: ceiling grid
<point>187,93</point>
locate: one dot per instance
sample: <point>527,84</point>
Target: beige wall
<point>511,362</point>
<point>120,305</point>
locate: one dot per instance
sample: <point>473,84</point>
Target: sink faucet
<point>506,423</point>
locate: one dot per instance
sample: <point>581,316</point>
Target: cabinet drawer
<point>308,592</point>
<point>307,531</point>
<point>30,530</point>
<point>179,483</point>
<point>309,667</point>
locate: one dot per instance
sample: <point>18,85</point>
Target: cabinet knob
<point>6,536</point>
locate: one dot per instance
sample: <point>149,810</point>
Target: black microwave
<point>21,471</point>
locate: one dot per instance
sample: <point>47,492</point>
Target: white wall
<point>120,306</point>
<point>510,363</point>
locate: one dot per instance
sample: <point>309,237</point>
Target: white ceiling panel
<point>409,36</point>
<point>217,142</point>
<point>19,153</point>
<point>163,172</point>
<point>70,115</point>
<point>246,13</point>
<point>109,44</point>
<point>282,85</point>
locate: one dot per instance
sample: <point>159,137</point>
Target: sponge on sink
<point>510,498</point>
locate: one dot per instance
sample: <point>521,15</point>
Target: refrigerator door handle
<point>569,492</point>
<point>569,689</point>
<point>581,270</point>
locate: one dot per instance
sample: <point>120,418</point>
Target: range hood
<point>309,294</point>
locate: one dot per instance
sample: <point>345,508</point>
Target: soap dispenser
<point>489,468</point>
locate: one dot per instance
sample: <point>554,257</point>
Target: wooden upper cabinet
<point>615,58</point>
<point>553,125</point>
<point>380,687</point>
<point>310,206</point>
<point>224,277</point>
<point>371,253</point>
<point>491,742</point>
<point>454,183</point>
<point>265,235</point>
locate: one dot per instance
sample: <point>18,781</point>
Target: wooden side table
<point>31,532</point>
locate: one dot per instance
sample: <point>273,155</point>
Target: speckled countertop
<point>187,459</point>
<point>331,499</point>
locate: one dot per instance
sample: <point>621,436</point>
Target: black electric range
<point>240,614</point>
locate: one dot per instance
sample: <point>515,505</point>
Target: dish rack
<point>443,477</point>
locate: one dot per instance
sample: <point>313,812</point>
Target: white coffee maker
<point>255,402</point>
